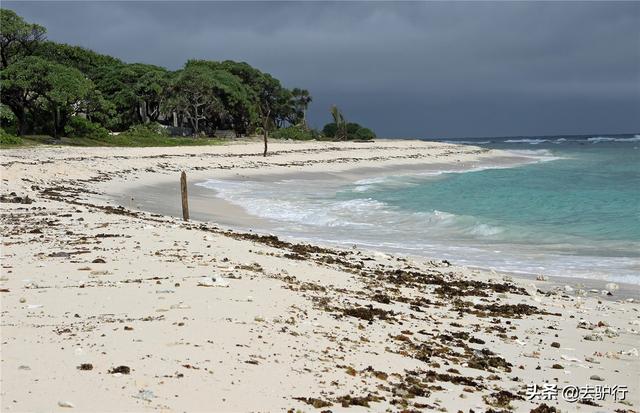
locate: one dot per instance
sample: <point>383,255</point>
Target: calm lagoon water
<point>574,213</point>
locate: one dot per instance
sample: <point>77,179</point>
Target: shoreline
<point>157,192</point>
<point>206,206</point>
<point>173,315</point>
<point>231,215</point>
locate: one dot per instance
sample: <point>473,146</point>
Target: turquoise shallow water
<point>591,192</point>
<point>576,212</point>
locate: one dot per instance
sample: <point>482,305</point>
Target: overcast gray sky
<point>428,69</point>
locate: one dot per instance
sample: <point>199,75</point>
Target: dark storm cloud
<point>406,69</point>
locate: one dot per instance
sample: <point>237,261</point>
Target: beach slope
<point>109,308</point>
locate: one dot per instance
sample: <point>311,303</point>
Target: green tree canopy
<point>68,92</point>
<point>17,37</point>
<point>192,95</point>
<point>300,100</point>
<point>239,99</point>
<point>149,91</point>
<point>134,90</point>
<point>23,84</point>
<point>45,83</point>
<point>272,97</point>
<point>87,61</point>
<point>34,83</point>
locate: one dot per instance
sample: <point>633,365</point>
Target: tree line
<point>52,88</point>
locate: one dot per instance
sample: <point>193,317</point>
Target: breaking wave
<point>549,140</point>
<point>377,212</point>
<point>597,139</point>
<point>315,213</point>
<point>529,141</point>
<point>468,142</point>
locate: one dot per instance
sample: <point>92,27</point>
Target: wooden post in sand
<point>183,192</point>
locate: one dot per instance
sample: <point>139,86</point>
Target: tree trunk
<point>184,196</point>
<point>266,135</point>
<point>143,112</point>
<point>63,119</point>
<point>55,123</point>
<point>22,122</point>
<point>3,56</point>
<point>265,130</point>
<point>153,112</point>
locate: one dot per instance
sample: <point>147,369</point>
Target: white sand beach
<point>116,304</point>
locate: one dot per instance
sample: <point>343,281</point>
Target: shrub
<point>352,128</point>
<point>149,129</point>
<point>7,119</point>
<point>330,130</point>
<point>8,139</point>
<point>79,127</point>
<point>293,132</point>
<point>364,134</point>
<point>150,133</point>
<point>354,131</point>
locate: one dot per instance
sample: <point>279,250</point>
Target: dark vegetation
<point>342,130</point>
<point>58,93</point>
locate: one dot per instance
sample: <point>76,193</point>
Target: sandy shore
<point>205,206</point>
<point>109,308</point>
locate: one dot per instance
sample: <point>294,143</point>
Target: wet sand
<point>205,206</point>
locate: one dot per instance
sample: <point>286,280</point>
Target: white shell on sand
<point>66,404</point>
<point>612,286</point>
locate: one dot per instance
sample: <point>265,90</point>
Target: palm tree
<point>341,123</point>
<point>301,98</point>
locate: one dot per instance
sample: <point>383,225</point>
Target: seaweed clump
<point>487,360</point>
<point>317,403</point>
<point>368,313</point>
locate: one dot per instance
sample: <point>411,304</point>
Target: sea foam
<point>529,141</point>
<point>490,228</point>
<point>597,139</point>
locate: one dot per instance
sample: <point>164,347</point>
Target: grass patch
<point>128,140</point>
<point>139,136</point>
<point>124,139</point>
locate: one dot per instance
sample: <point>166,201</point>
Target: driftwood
<point>183,192</point>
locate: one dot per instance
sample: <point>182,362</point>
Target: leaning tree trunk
<point>266,135</point>
<point>265,131</point>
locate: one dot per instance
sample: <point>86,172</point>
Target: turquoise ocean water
<point>574,212</point>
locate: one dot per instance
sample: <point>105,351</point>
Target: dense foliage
<point>79,127</point>
<point>9,139</point>
<point>18,37</point>
<point>340,129</point>
<point>295,133</point>
<point>51,89</point>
